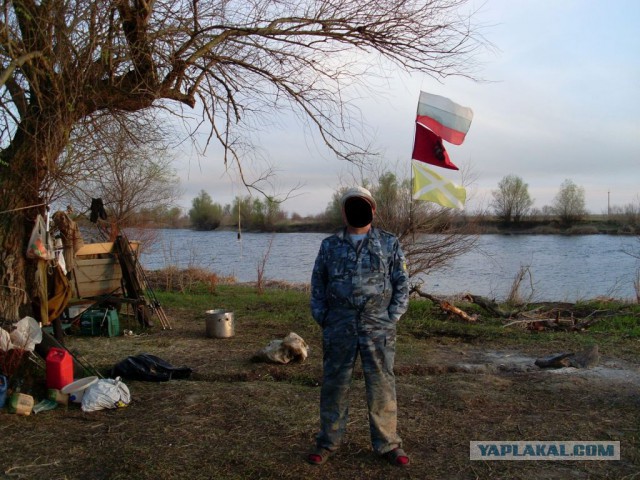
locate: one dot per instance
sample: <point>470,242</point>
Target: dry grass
<point>187,280</point>
<point>238,419</point>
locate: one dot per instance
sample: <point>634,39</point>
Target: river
<point>562,268</point>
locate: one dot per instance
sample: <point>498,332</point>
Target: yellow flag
<point>431,187</point>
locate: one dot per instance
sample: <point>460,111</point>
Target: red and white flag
<point>444,117</point>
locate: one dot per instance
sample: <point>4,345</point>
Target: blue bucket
<point>3,390</point>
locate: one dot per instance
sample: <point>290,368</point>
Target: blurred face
<point>358,212</point>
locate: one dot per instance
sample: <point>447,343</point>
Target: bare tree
<point>125,163</point>
<point>569,204</point>
<point>511,201</point>
<point>431,236</point>
<point>67,62</point>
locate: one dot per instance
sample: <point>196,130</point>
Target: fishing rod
<point>139,271</point>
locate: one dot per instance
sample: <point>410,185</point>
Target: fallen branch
<point>446,306</point>
<point>556,322</point>
<point>590,319</point>
<point>490,306</point>
<point>547,322</point>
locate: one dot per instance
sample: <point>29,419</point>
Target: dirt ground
<point>234,418</point>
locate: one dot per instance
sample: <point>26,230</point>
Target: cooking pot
<point>219,323</point>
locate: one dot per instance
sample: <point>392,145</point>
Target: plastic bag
<point>40,245</point>
<point>290,348</point>
<point>149,368</point>
<point>61,261</point>
<point>26,335</point>
<point>5,341</point>
<point>106,393</point>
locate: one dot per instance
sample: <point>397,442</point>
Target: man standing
<point>359,291</point>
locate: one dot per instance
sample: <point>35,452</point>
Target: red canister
<point>59,368</point>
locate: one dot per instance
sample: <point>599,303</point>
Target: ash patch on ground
<point>493,362</point>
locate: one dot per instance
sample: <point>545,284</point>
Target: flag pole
<point>411,226</point>
<point>411,186</point>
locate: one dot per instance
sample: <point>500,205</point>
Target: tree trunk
<point>24,168</point>
<point>13,293</point>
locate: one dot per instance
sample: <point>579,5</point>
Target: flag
<point>444,117</point>
<point>428,148</point>
<point>431,187</point>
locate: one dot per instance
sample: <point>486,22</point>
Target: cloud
<point>560,101</point>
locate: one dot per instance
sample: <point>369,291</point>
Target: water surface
<point>563,268</point>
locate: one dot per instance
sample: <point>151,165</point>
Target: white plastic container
<point>76,389</point>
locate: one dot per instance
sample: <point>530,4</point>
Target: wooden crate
<point>99,276</point>
<point>97,270</point>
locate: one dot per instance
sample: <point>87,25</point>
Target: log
<point>447,307</point>
<point>587,358</point>
<point>489,305</point>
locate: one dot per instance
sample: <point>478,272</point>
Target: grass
<point>625,325</point>
<point>274,304</point>
<point>237,419</point>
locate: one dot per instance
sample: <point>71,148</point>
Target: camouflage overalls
<point>357,296</point>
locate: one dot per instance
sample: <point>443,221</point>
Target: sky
<point>558,98</point>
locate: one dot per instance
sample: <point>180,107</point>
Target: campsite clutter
<point>80,289</point>
<point>13,347</point>
<point>84,289</point>
<point>18,347</point>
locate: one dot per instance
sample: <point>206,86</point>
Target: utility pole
<point>609,203</point>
